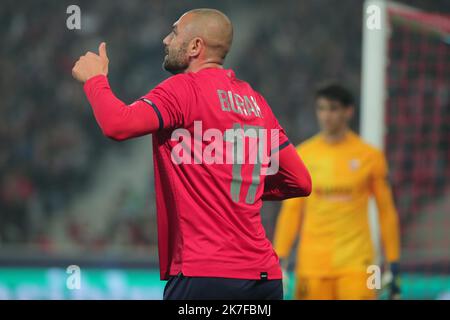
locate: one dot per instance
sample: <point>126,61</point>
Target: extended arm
<point>389,224</point>
<point>116,119</point>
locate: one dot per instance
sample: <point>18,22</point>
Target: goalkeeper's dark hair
<point>335,92</point>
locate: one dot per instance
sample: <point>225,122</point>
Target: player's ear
<point>350,111</point>
<point>195,46</point>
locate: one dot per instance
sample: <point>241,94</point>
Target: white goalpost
<point>373,91</point>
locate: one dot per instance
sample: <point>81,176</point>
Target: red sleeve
<point>292,179</point>
<point>166,106</point>
<point>117,120</point>
<point>172,100</point>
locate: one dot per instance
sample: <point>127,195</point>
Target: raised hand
<point>91,64</point>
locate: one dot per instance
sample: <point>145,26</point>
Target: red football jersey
<point>208,211</point>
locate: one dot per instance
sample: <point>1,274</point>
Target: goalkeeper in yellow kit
<point>335,247</point>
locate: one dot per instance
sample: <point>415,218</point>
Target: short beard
<point>176,62</point>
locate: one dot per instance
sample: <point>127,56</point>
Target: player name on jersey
<point>230,101</point>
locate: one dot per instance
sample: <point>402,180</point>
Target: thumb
<point>102,50</point>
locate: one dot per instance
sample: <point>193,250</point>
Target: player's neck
<point>335,137</point>
<point>197,66</point>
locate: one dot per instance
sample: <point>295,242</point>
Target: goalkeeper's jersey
<point>335,235</point>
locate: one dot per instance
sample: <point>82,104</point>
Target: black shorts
<point>207,288</point>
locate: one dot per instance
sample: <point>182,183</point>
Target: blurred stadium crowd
<point>50,144</point>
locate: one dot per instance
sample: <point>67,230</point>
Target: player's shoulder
<point>366,146</point>
<point>309,144</point>
<point>248,86</point>
<point>178,80</point>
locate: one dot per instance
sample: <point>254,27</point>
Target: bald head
<point>213,26</point>
<point>200,35</point>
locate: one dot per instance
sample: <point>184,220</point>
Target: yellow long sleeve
<point>288,226</point>
<point>388,218</point>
